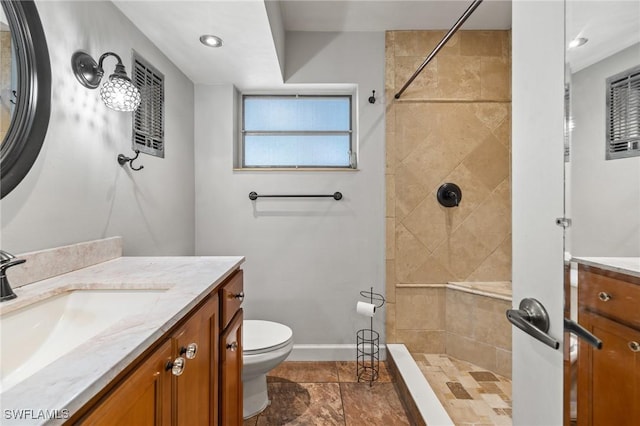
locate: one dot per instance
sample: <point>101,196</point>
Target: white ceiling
<point>609,25</point>
<point>381,15</point>
<point>249,59</point>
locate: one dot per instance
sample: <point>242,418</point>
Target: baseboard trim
<point>327,352</point>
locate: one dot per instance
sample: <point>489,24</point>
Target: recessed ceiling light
<point>577,42</point>
<point>211,40</point>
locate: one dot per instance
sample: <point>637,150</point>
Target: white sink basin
<point>37,334</point>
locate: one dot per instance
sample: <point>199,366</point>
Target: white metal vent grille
<point>148,119</point>
<point>623,114</point>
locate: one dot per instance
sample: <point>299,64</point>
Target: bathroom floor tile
<point>372,405</point>
<point>347,372</point>
<point>305,372</point>
<point>303,404</point>
<point>327,393</point>
<point>470,394</point>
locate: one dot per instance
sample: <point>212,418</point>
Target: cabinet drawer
<point>231,296</point>
<point>609,295</point>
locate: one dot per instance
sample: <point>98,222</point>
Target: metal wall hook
<point>122,160</point>
<point>372,98</point>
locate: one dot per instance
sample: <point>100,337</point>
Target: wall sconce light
<point>118,92</point>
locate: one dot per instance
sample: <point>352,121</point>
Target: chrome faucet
<point>6,262</point>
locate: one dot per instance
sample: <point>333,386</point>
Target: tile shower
<point>452,125</point>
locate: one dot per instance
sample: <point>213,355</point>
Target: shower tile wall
<point>453,124</point>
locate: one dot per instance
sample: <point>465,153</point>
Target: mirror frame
<point>30,119</point>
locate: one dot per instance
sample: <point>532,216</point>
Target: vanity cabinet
<point>232,295</point>
<point>179,382</point>
<point>609,379</point>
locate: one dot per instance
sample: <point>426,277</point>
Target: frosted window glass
<point>296,150</point>
<point>301,114</point>
<point>290,131</point>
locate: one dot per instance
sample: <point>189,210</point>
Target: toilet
<point>265,345</point>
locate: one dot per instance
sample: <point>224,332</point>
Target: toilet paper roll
<point>366,309</point>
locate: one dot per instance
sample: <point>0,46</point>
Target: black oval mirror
<point>32,94</point>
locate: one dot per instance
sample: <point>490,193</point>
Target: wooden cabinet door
<point>609,379</point>
<point>195,390</point>
<point>141,399</point>
<point>231,373</point>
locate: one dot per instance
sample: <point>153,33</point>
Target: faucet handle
<point>5,256</point>
<point>8,264</point>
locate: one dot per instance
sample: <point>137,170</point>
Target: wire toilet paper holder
<point>368,344</point>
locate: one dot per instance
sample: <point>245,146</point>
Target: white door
<point>537,193</point>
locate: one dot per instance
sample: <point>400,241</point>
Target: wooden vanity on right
<point>609,307</point>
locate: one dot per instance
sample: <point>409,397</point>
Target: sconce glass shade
<point>120,94</point>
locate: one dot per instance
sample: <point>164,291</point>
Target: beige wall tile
<point>421,43</point>
<point>496,267</point>
<point>459,313</point>
<point>493,114</point>
<point>425,86</point>
<point>458,77</point>
<point>503,363</point>
<point>503,131</point>
<point>470,350</point>
<point>390,189</point>
<point>409,191</point>
<point>390,288</point>
<point>430,222</point>
<point>490,323</point>
<point>490,224</point>
<point>390,238</point>
<point>495,78</point>
<point>461,254</point>
<point>481,43</point>
<point>430,272</point>
<point>390,324</point>
<point>422,341</point>
<point>415,124</point>
<point>420,308</point>
<point>489,162</point>
<point>390,65</point>
<point>410,253</point>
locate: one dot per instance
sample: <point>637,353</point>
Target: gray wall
<point>605,195</point>
<point>76,190</point>
<point>307,260</point>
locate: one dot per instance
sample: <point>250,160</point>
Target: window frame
<point>353,164</point>
<point>631,77</point>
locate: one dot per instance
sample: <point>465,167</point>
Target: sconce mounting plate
<point>85,69</point>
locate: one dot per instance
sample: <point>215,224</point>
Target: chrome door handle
<point>575,328</point>
<point>532,318</point>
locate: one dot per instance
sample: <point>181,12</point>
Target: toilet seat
<point>264,336</point>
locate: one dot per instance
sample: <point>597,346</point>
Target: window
<point>623,114</point>
<point>148,119</point>
<point>295,131</point>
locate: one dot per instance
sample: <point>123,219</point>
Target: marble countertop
<point>623,265</point>
<point>73,379</point>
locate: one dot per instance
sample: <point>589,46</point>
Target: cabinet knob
<point>634,346</point>
<point>239,296</point>
<point>605,297</point>
<point>189,351</point>
<point>232,346</point>
<point>176,367</point>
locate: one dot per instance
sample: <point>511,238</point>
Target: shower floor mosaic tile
<point>470,394</point>
<point>328,393</point>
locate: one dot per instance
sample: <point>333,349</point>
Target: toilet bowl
<point>265,345</point>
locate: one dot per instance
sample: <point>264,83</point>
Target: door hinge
<point>565,222</point>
